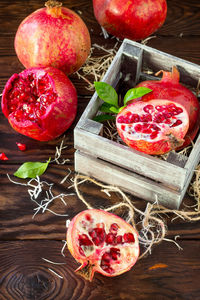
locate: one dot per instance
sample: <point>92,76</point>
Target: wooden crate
<point>145,176</point>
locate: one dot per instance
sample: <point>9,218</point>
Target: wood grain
<point>25,275</point>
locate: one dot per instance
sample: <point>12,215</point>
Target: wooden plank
<point>167,273</point>
<point>146,165</point>
<point>126,180</point>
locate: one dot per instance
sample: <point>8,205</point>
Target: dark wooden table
<point>25,240</point>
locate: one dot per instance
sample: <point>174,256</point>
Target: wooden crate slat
<point>126,180</point>
<point>125,157</point>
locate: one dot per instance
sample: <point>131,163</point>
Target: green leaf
<point>135,93</point>
<point>31,169</point>
<point>106,92</point>
<point>102,118</point>
<point>108,108</point>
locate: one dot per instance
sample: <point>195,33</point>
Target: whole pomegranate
<point>132,19</point>
<point>53,36</point>
<point>170,88</point>
<point>40,102</point>
<point>102,242</point>
<point>155,127</point>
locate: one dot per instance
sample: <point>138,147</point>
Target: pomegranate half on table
<point>102,242</point>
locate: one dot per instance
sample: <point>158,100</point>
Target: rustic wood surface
<point>26,240</point>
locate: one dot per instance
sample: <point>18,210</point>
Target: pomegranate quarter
<point>154,127</point>
<point>102,242</point>
<point>40,103</point>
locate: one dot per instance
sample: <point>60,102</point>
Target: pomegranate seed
<point>110,238</point>
<point>88,217</point>
<point>147,131</point>
<point>160,108</point>
<point>84,240</point>
<point>21,147</point>
<point>146,118</point>
<point>129,238</point>
<point>98,235</point>
<point>113,228</point>
<point>138,128</point>
<point>3,156</point>
<point>155,127</point>
<point>106,257</point>
<point>179,110</point>
<point>119,239</point>
<point>178,122</point>
<point>148,107</point>
<point>154,135</point>
<point>115,253</point>
<point>159,118</point>
<point>134,118</point>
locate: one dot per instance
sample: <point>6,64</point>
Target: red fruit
<point>40,103</point>
<point>160,125</point>
<point>136,19</point>
<point>170,88</point>
<point>53,36</point>
<point>88,243</point>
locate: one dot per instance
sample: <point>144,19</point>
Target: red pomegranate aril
<point>106,257</point>
<point>98,236</point>
<point>129,238</point>
<point>107,269</point>
<point>147,108</point>
<point>121,119</point>
<point>88,217</point>
<point>134,118</point>
<point>114,228</point>
<point>21,146</point>
<point>115,253</point>
<point>147,131</point>
<point>177,123</point>
<point>153,135</point>
<point>110,239</point>
<point>146,118</point>
<point>3,156</point>
<point>118,239</point>
<point>138,128</point>
<point>84,240</point>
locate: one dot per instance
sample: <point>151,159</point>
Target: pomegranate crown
<point>52,3</point>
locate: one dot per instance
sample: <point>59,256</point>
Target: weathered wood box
<point>145,176</point>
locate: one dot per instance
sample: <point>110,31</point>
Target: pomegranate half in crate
<point>40,103</point>
<point>153,127</point>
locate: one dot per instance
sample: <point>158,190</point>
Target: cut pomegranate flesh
<point>104,243</point>
<point>153,128</point>
<point>29,97</point>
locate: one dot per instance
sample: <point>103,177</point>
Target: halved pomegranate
<point>155,127</point>
<point>170,88</point>
<point>102,242</point>
<point>40,103</point>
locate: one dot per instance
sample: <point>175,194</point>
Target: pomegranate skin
<point>135,19</point>
<point>48,122</point>
<point>53,36</point>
